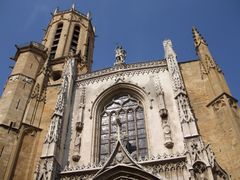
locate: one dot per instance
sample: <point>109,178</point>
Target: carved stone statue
<point>120,55</point>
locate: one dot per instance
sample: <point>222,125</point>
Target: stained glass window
<point>131,114</point>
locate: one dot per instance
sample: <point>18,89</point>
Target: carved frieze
<point>123,72</point>
<point>164,170</point>
<point>156,165</point>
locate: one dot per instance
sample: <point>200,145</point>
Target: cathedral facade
<point>157,119</point>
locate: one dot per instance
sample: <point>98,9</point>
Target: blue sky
<point>139,25</point>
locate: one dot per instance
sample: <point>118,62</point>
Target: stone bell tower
<point>69,32</point>
<point>28,101</point>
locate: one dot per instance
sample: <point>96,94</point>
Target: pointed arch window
<point>56,41</point>
<point>131,114</point>
<point>75,38</point>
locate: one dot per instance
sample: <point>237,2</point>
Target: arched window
<point>130,112</point>
<point>56,41</point>
<point>75,37</point>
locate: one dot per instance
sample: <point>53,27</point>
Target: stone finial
<point>120,55</point>
<point>89,16</point>
<point>73,6</point>
<point>168,48</point>
<point>55,11</point>
<point>198,39</point>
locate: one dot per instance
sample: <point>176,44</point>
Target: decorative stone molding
<point>46,169</point>
<point>120,71</point>
<point>219,103</point>
<point>223,100</point>
<point>165,170</point>
<point>202,161</point>
<point>77,177</point>
<point>21,77</point>
<point>159,164</point>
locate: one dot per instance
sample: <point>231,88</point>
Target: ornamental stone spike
<point>168,48</point>
<point>73,6</point>
<point>198,39</point>
<point>173,67</point>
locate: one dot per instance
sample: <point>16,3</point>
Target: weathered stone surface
<point>219,128</point>
<point>173,98</point>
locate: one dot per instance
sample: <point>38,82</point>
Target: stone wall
<point>219,124</point>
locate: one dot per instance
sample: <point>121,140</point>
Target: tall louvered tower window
<point>131,114</point>
<point>75,38</point>
<point>56,41</point>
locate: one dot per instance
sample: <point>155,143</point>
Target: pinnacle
<point>198,39</point>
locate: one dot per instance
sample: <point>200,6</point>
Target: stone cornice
<point>35,47</point>
<point>127,70</point>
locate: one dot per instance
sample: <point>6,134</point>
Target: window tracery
<point>130,112</point>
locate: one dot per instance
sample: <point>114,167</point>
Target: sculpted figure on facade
<point>120,55</point>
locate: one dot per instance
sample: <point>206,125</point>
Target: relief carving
<point>219,103</point>
<point>222,101</point>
